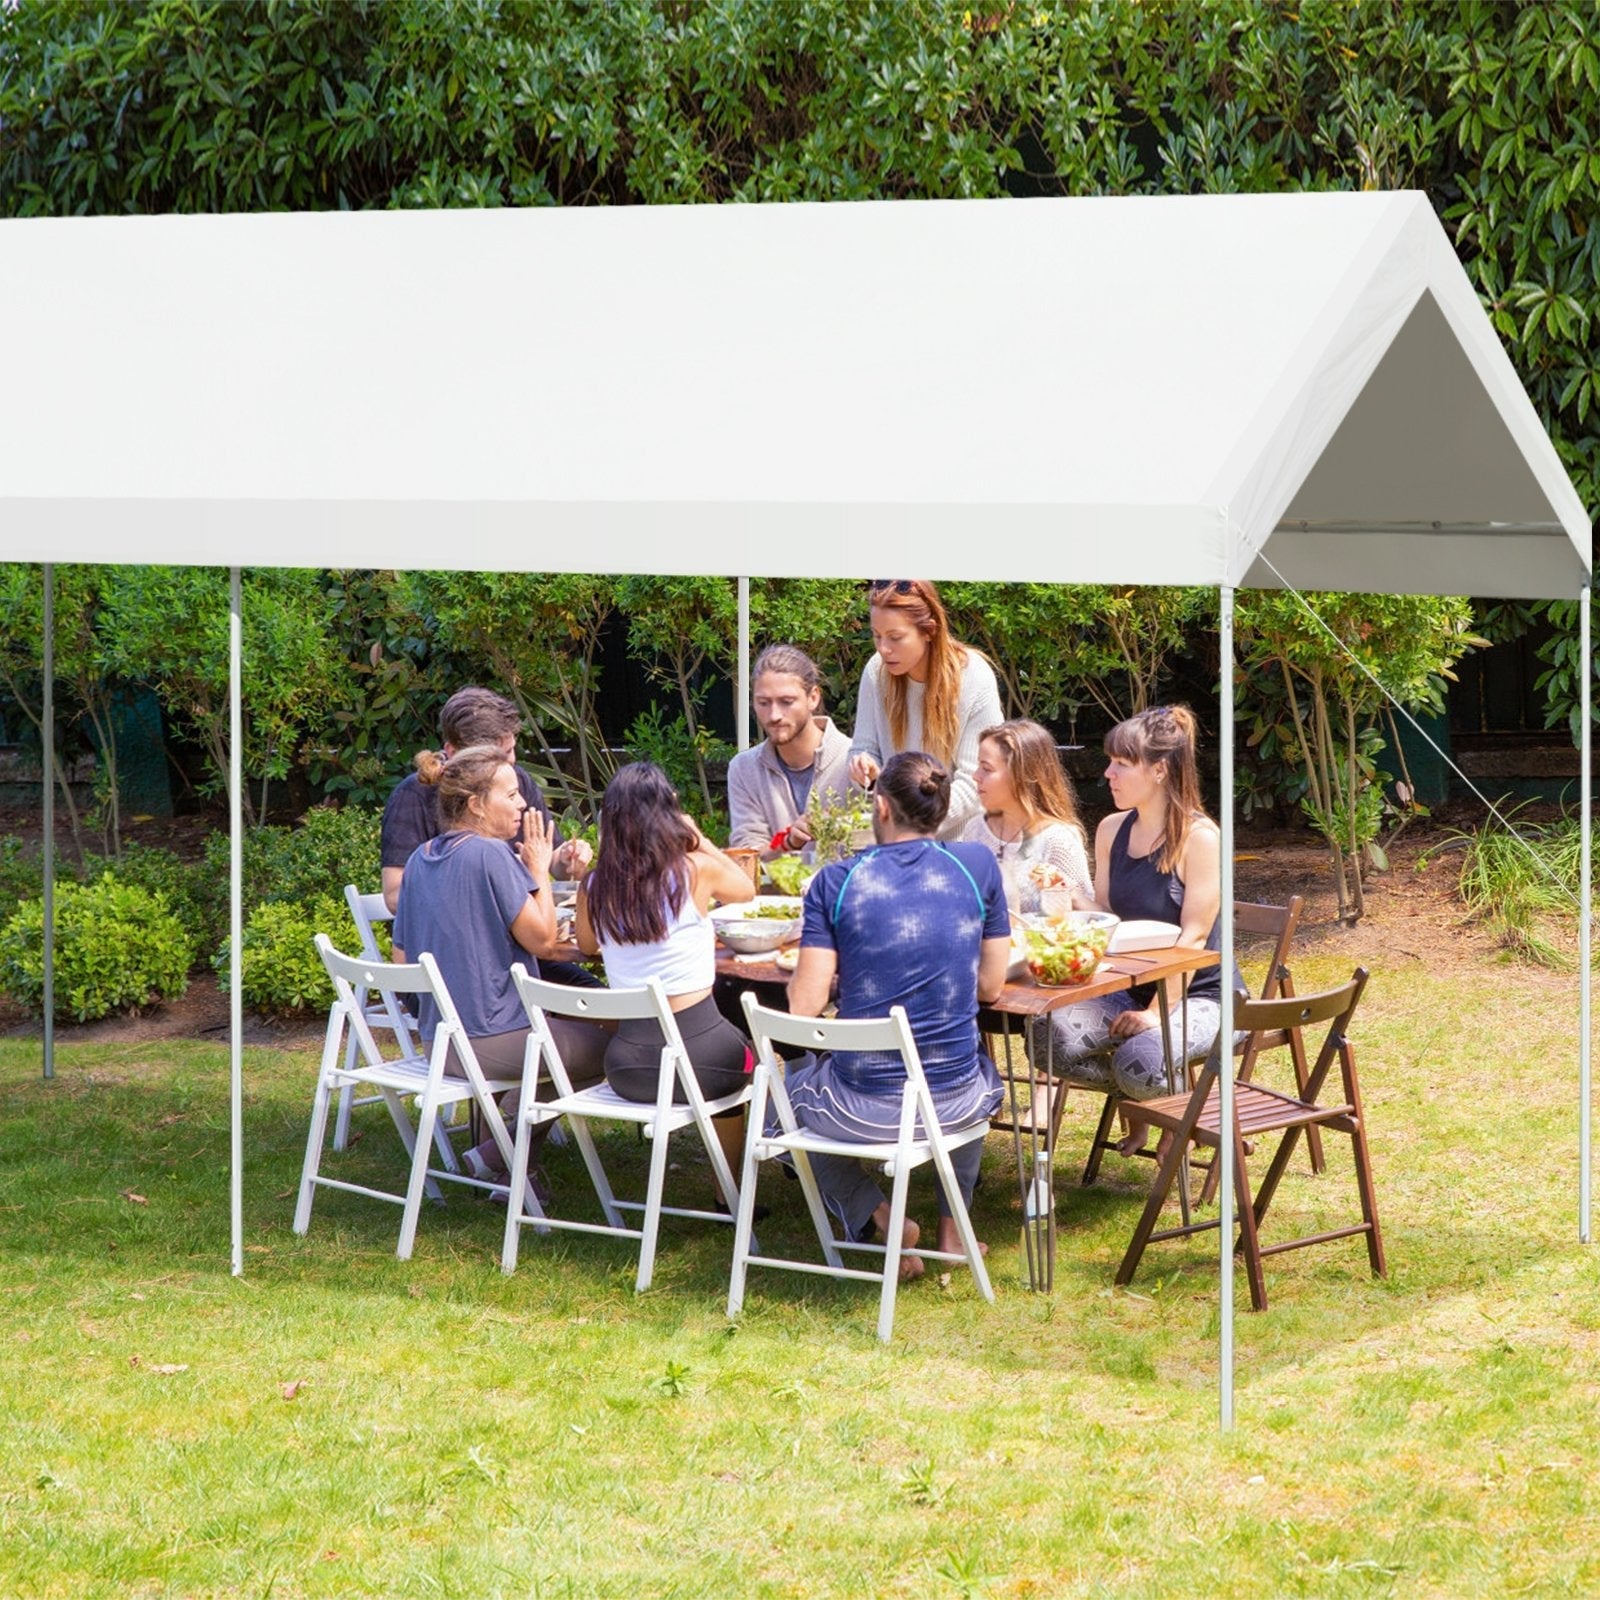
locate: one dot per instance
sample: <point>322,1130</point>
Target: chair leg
<point>1280,1165</point>
<point>744,1223</point>
<point>514,1194</point>
<point>313,1161</point>
<point>408,1137</point>
<point>341,1126</point>
<point>1166,1175</point>
<point>1101,1133</point>
<point>1249,1237</point>
<point>892,1251</point>
<point>963,1221</point>
<point>584,1140</point>
<point>1363,1161</point>
<point>1302,1075</point>
<point>1369,1198</point>
<point>652,1211</point>
<point>419,1176</point>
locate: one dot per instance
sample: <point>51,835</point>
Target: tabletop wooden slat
<point>1022,996</point>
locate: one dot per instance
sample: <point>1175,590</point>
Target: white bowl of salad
<point>758,925</point>
<point>1060,951</point>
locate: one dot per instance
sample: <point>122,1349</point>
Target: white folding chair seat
<point>395,1079</point>
<point>899,1158</point>
<point>658,1119</point>
<point>384,1013</point>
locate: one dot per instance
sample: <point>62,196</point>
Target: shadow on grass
<point>121,1167</point>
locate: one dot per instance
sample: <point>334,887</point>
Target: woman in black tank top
<point>1157,856</point>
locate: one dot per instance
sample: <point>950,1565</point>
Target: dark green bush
<point>119,947</point>
<point>280,972</point>
<point>21,871</point>
<point>291,865</point>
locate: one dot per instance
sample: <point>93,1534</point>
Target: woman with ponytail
<point>476,907</point>
<point>914,923</point>
<point>1157,856</point>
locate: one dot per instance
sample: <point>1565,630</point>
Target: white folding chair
<point>396,1079</point>
<point>899,1158</point>
<point>382,1012</point>
<point>658,1119</point>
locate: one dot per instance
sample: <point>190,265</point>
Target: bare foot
<point>950,1238</point>
<point>1132,1141</point>
<point>911,1266</point>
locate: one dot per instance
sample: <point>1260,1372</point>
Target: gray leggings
<point>1134,1068</point>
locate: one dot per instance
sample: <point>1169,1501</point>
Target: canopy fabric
<point>1204,390</point>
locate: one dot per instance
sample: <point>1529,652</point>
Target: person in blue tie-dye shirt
<point>915,923</point>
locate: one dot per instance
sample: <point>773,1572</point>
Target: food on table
<point>789,874</point>
<point>1066,950</point>
<point>787,959</point>
<point>1046,875</point>
<point>757,926</point>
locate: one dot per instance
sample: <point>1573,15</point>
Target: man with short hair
<point>771,784</point>
<point>471,716</point>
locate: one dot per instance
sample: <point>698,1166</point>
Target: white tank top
<point>685,961</point>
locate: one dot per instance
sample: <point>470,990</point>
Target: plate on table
<point>1127,937</point>
<point>787,959</point>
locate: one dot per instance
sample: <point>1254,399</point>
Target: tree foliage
<point>168,627</point>
<point>1320,684</point>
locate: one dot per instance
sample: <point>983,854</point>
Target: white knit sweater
<point>977,708</point>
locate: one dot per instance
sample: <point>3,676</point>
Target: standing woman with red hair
<point>922,690</point>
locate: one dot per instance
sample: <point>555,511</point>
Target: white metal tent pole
<point>48,791</point>
<point>1584,975</point>
<point>741,712</point>
<point>1225,1021</point>
<point>235,921</point>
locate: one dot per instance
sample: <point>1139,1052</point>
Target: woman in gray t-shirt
<point>476,907</point>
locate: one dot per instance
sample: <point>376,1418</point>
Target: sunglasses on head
<point>897,585</point>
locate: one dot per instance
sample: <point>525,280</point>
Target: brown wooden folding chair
<point>1277,923</point>
<point>1195,1118</point>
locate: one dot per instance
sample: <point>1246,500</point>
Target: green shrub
<point>331,848</point>
<point>118,947</point>
<point>280,972</point>
<point>181,883</point>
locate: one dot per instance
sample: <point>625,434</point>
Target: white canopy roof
<point>1096,390</point>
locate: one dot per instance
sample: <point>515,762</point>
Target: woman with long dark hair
<point>1157,856</point>
<point>643,909</point>
<point>476,907</point>
<point>922,690</point>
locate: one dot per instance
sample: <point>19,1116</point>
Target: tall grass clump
<point>1524,886</point>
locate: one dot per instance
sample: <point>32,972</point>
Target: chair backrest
<point>365,910</point>
<point>354,975</point>
<point>542,999</point>
<point>1277,923</point>
<point>893,1032</point>
<point>592,1005</point>
<point>1297,1012</point>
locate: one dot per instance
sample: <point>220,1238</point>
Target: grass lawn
<point>339,1423</point>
